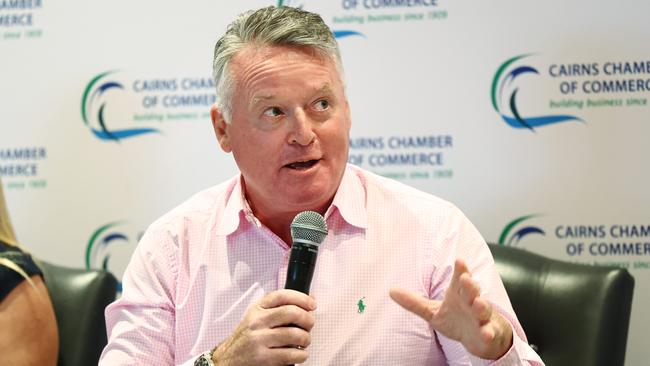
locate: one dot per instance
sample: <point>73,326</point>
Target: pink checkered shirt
<point>198,268</point>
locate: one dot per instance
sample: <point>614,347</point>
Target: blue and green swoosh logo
<point>104,241</point>
<point>97,255</point>
<point>514,232</point>
<point>93,109</point>
<point>504,96</point>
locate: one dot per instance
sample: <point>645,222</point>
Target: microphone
<point>308,230</point>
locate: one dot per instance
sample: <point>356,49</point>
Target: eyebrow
<point>325,89</point>
<point>259,98</point>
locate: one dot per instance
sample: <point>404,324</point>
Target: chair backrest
<point>79,297</point>
<point>574,314</point>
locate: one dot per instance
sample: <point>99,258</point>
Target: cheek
<point>256,152</point>
<point>338,141</point>
<point>246,144</point>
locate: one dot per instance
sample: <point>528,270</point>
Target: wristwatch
<point>205,359</point>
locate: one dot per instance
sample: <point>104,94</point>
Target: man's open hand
<point>463,315</point>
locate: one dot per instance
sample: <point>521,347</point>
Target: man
<point>205,283</point>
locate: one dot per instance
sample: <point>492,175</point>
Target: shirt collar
<point>350,200</point>
<point>235,210</point>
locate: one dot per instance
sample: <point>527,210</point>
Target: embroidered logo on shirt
<point>361,307</point>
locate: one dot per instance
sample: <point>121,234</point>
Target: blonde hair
<point>6,230</point>
<point>7,236</point>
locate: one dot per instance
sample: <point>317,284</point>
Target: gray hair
<point>270,26</point>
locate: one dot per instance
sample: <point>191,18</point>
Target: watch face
<point>202,361</point>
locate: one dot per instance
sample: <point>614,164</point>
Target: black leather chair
<point>573,314</point>
<point>79,297</point>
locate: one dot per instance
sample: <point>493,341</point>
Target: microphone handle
<point>301,268</point>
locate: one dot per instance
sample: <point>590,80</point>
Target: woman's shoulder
<point>15,266</point>
<point>29,330</point>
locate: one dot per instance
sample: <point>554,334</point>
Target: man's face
<point>289,129</point>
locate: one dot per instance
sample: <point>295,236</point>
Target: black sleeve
<point>9,278</point>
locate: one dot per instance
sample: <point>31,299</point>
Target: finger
<point>459,268</point>
<point>287,297</point>
<point>413,302</point>
<point>468,289</point>
<point>482,310</point>
<point>288,315</point>
<point>487,333</point>
<point>287,337</point>
<point>499,329</point>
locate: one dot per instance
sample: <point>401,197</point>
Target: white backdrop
<point>530,116</point>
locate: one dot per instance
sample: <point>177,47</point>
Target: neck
<point>279,221</point>
<point>279,225</point>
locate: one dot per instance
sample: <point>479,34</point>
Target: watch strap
<point>204,360</point>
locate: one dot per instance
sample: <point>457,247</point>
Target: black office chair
<point>573,314</point>
<point>79,297</point>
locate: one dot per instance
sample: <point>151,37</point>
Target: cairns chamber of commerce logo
<point>409,157</point>
<point>518,229</point>
<point>506,97</point>
<point>356,13</point>
<point>20,19</point>
<point>338,33</point>
<point>388,12</point>
<point>116,105</point>
<point>527,88</point>
<point>24,167</point>
<point>625,245</point>
<point>110,248</point>
<point>93,108</point>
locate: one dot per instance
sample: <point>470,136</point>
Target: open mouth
<point>302,165</point>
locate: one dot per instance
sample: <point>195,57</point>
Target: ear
<point>348,122</point>
<point>220,128</point>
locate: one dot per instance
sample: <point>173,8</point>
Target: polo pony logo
<point>361,307</point>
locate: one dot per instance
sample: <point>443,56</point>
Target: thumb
<point>413,302</point>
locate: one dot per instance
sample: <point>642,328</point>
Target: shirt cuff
<point>520,353</point>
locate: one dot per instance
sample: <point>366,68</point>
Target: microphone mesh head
<point>308,227</point>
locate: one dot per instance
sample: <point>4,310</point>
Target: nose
<point>300,129</point>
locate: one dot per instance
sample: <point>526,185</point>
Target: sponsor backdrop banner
<point>532,117</point>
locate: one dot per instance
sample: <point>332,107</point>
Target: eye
<point>322,104</point>
<point>273,112</point>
